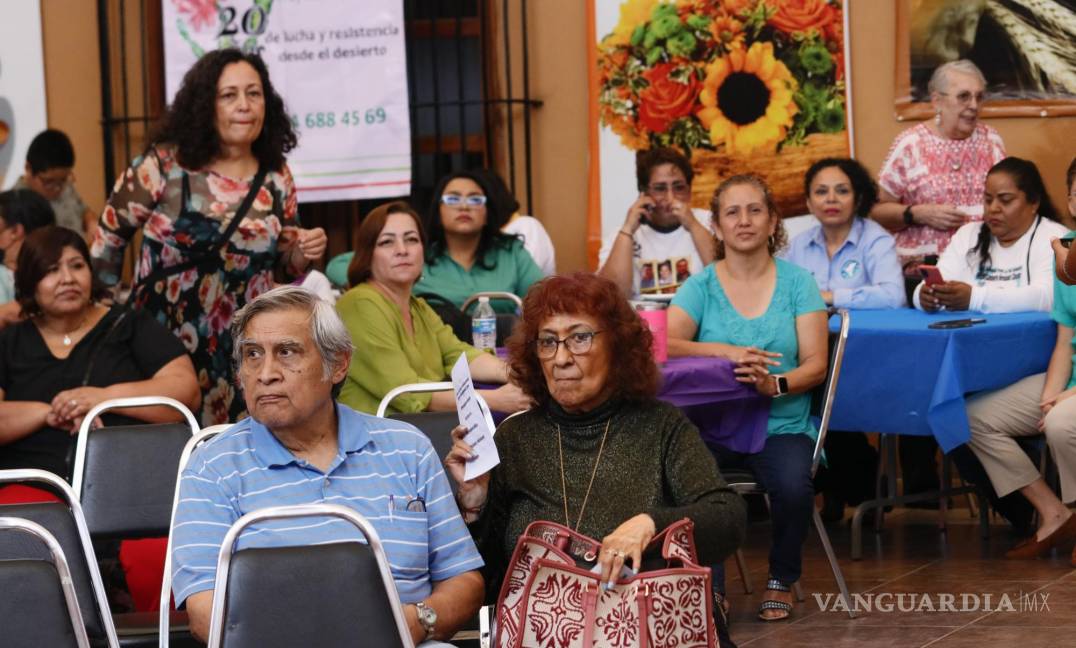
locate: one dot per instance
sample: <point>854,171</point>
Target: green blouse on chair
<point>386,356</point>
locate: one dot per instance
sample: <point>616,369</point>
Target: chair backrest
<point>506,322</point>
<point>823,397</point>
<point>125,475</point>
<point>449,314</point>
<point>65,522</point>
<point>163,615</point>
<point>39,606</point>
<point>437,426</point>
<point>343,592</point>
<point>493,296</point>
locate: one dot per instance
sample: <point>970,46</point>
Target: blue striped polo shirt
<point>381,467</point>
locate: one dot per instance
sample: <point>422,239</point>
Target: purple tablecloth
<point>727,413</point>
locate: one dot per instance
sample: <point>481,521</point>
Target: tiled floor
<point>910,557</point>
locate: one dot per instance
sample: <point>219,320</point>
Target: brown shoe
<point>1032,548</point>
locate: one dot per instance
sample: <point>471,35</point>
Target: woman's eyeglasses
<point>455,200</point>
<point>577,343</point>
<point>964,98</point>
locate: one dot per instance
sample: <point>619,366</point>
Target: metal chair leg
<point>833,564</point>
<point>741,566</point>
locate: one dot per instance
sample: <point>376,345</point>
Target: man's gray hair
<point>326,328</point>
<point>939,81</point>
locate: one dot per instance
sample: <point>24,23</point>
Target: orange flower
<point>665,100</point>
<point>727,31</point>
<point>799,16</point>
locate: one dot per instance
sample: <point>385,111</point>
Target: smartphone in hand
<point>930,274</point>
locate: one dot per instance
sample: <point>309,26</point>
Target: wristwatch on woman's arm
<point>781,385</point>
<point>909,217</point>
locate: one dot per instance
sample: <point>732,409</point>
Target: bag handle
<point>677,540</point>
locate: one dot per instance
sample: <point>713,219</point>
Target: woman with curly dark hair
<point>766,316</point>
<point>221,146</point>
<point>599,452</point>
<point>467,251</point>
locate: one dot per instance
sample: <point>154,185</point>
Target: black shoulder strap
<point>213,253</point>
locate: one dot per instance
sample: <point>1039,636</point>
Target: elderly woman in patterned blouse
<point>225,124</point>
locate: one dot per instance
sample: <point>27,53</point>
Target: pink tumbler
<point>656,318</point>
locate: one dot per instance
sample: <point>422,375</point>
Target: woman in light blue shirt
<point>765,315</point>
<point>853,259</point>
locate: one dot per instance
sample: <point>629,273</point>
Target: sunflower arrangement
<point>737,76</point>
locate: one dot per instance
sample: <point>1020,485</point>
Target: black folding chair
<point>165,618</point>
<point>125,479</point>
<point>39,606</point>
<point>343,592</point>
<point>744,482</point>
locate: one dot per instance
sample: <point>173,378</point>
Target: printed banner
<point>740,86</point>
<point>341,68</point>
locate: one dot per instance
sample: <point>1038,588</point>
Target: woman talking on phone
<point>1003,264</point>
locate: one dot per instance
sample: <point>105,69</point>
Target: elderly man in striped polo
<point>300,447</point>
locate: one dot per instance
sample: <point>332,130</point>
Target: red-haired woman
<point>598,452</point>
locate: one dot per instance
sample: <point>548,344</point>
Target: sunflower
<point>747,99</point>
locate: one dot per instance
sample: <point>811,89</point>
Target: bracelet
<point>627,234</point>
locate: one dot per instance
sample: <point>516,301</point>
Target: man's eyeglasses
<point>53,182</point>
<point>455,200</point>
<point>577,343</point>
<point>678,188</point>
<point>965,97</point>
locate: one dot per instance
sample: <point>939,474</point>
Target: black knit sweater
<point>653,462</point>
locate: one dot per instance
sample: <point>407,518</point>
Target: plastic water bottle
<point>484,325</point>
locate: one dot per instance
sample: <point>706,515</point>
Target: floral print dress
<point>180,222</point>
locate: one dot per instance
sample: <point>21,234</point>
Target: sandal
<point>771,604</point>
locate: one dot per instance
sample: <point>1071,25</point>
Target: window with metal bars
<point>468,79</point>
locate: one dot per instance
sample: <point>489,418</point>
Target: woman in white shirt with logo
<point>1005,263</point>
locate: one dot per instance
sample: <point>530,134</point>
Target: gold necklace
<point>564,485</point>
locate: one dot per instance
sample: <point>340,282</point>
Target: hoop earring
<point>771,241</point>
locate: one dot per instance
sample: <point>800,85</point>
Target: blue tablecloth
<point>900,377</point>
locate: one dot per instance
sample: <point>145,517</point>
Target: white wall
<point>22,84</point>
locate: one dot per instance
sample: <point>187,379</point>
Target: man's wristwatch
<point>909,217</point>
<point>427,616</point>
<point>781,384</point>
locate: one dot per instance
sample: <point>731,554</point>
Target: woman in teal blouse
<point>767,316</point>
<point>467,252</point>
<point>398,338</point>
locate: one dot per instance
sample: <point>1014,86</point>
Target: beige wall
<point>559,41</point>
<point>73,88</point>
<point>1048,142</point>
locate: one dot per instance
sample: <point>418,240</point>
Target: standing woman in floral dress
<point>225,123</point>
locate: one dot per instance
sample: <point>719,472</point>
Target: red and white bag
<point>546,601</point>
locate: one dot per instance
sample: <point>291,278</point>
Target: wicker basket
<point>782,171</point>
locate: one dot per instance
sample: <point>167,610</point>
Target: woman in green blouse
<point>398,338</point>
<point>467,251</point>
